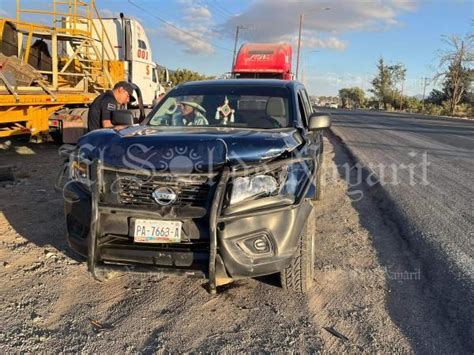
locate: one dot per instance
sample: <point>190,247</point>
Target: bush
<point>465,110</point>
<point>412,104</point>
<point>434,110</point>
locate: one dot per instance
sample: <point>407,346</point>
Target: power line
<point>177,28</point>
<point>219,10</point>
<point>223,9</point>
<point>237,29</point>
<point>250,33</point>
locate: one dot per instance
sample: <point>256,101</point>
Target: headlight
<point>281,185</point>
<point>244,188</point>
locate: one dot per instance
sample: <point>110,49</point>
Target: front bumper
<point>215,246</point>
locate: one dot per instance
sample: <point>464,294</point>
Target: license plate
<point>157,231</point>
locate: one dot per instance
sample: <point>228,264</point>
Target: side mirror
<point>319,121</point>
<point>122,118</point>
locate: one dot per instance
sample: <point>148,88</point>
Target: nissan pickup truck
<point>218,181</point>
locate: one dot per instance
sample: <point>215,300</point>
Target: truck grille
<point>138,192</point>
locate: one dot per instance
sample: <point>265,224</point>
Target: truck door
<point>142,67</point>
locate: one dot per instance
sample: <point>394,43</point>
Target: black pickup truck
<point>219,180</point>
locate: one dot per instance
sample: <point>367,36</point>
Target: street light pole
<point>299,47</point>
<point>299,41</point>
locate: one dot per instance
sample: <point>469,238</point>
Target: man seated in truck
<point>100,110</point>
<point>190,114</point>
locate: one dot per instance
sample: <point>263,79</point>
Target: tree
<point>454,68</point>
<point>344,97</point>
<point>384,85</point>
<point>413,104</point>
<point>437,97</point>
<point>399,73</point>
<point>183,75</point>
<point>358,97</point>
<point>352,97</point>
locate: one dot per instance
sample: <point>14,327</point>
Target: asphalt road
<point>425,166</point>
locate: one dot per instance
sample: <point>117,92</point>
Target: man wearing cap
<point>100,111</point>
<point>191,114</point>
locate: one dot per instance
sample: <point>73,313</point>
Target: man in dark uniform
<point>100,111</point>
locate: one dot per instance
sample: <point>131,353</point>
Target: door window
<point>301,106</point>
<point>141,44</point>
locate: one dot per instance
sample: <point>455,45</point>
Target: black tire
<point>57,137</point>
<point>319,174</point>
<point>298,276</point>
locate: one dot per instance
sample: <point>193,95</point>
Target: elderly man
<point>190,114</point>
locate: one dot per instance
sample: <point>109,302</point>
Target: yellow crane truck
<point>49,74</point>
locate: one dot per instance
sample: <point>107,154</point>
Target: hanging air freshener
<point>225,113</point>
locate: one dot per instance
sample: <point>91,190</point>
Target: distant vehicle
<point>263,61</point>
<point>333,105</point>
<point>218,181</point>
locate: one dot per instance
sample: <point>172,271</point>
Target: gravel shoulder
<point>359,303</point>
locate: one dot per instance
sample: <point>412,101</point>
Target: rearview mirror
<point>122,118</point>
<point>319,121</point>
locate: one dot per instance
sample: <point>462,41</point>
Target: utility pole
<point>425,81</point>
<point>237,29</point>
<point>299,47</point>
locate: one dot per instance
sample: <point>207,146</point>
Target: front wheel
<point>298,276</point>
<point>319,177</point>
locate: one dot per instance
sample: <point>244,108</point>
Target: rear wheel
<point>298,276</point>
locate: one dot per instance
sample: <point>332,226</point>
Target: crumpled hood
<point>186,150</point>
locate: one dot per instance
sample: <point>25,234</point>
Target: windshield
<point>226,105</point>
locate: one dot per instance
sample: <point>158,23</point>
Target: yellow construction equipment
<point>46,68</point>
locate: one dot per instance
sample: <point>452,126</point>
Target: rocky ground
<point>360,303</point>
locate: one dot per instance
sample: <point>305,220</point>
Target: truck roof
<point>264,57</point>
<point>244,82</point>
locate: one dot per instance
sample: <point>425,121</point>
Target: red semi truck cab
<point>263,61</point>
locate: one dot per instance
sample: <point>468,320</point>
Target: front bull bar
<point>99,272</point>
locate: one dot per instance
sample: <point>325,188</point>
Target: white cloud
<point>189,39</point>
<point>196,37</point>
<point>328,43</point>
<point>308,40</point>
<point>275,20</point>
<point>197,13</point>
<point>108,13</point>
<point>405,4</point>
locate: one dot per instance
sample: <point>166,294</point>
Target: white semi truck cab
<point>130,44</point>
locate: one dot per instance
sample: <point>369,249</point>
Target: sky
<point>342,40</point>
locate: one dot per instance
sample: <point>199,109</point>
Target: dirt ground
<point>50,303</point>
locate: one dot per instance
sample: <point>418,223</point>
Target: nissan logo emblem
<point>164,196</point>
